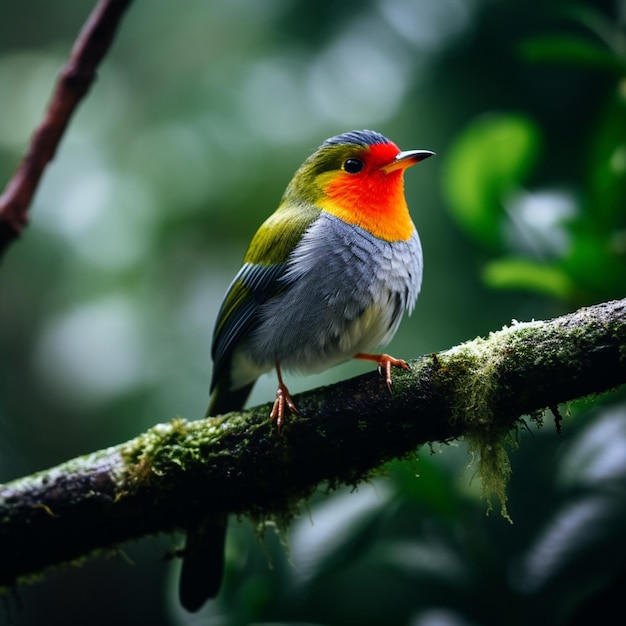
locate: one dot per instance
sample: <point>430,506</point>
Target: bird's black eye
<point>353,166</point>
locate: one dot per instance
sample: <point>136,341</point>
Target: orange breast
<point>374,202</point>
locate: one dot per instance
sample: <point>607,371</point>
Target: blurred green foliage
<point>184,145</point>
<point>567,240</point>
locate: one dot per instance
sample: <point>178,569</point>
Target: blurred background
<point>200,116</point>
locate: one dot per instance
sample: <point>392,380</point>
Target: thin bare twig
<point>74,81</point>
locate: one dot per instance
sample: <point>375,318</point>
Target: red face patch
<point>371,198</point>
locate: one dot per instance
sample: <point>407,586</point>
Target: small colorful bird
<point>326,278</point>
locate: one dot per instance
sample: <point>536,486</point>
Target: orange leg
<point>282,397</point>
<point>384,361</point>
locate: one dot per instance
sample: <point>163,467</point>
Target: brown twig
<point>73,83</point>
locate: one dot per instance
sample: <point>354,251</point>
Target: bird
<point>326,278</point>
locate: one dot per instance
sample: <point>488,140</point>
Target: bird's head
<point>358,176</point>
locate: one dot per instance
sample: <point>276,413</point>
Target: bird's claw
<point>283,398</point>
<point>385,362</point>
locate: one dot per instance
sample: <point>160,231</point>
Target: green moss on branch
<point>178,473</point>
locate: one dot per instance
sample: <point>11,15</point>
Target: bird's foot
<point>384,362</point>
<point>283,398</point>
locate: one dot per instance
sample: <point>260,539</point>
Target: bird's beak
<point>406,159</point>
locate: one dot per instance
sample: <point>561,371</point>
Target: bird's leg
<point>282,397</point>
<point>384,361</point>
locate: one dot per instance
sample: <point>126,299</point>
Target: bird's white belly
<point>333,305</point>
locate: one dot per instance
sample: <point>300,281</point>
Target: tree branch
<point>177,473</point>
<point>73,83</point>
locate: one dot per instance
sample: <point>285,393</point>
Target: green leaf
<point>486,164</point>
<point>596,262</point>
<point>571,50</point>
<point>427,484</point>
<point>607,166</point>
<point>517,273</point>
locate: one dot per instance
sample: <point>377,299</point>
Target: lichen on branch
<point>183,471</point>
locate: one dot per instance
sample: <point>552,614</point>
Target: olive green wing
<point>258,280</point>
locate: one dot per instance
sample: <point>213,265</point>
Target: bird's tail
<point>224,400</point>
<point>203,561</point>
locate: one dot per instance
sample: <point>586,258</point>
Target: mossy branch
<point>175,474</point>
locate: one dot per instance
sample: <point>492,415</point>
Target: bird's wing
<point>253,285</point>
<point>259,279</point>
